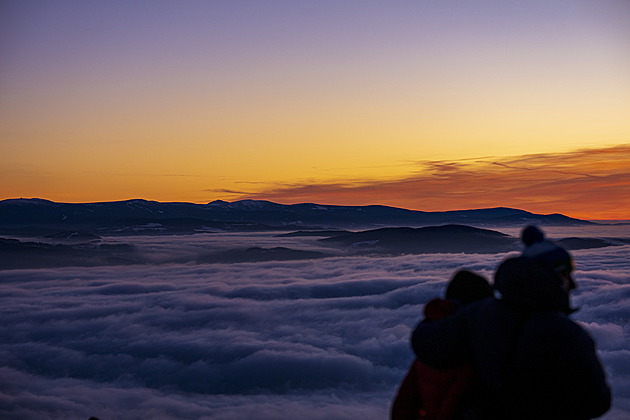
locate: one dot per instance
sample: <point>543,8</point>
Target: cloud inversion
<point>324,339</point>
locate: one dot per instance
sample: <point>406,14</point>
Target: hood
<point>527,283</point>
<point>439,308</point>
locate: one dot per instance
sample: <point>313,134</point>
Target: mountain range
<point>142,216</point>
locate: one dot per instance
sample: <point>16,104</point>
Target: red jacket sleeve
<point>407,403</point>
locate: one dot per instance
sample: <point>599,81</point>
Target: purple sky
<point>202,100</point>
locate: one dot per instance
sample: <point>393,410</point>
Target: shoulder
<point>557,323</point>
<point>556,330</point>
<point>447,342</point>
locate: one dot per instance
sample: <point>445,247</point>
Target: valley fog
<point>319,339</point>
<point>167,248</point>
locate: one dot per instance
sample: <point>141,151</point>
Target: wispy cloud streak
<point>590,184</point>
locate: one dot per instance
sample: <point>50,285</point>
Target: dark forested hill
<point>432,239</point>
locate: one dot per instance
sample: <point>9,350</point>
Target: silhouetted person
<point>531,361</point>
<point>427,393</point>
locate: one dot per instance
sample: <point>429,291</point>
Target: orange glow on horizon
<point>591,184</point>
<point>330,102</point>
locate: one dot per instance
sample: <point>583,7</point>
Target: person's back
<point>531,361</point>
<point>427,393</point>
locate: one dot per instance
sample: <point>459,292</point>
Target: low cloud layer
<point>589,184</point>
<point>323,339</point>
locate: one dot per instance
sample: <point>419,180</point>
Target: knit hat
<point>550,255</point>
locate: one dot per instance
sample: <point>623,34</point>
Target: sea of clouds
<point>319,339</point>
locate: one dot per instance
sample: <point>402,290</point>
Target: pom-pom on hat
<point>531,234</point>
<point>546,252</point>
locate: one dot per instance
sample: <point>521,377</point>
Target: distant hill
<point>151,217</point>
<point>434,239</point>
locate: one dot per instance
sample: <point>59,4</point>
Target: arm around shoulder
<point>441,343</point>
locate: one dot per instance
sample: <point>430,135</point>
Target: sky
<point>319,339</point>
<point>418,104</point>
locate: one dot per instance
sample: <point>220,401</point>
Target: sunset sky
<point>427,105</point>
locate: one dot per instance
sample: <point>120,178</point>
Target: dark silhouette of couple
<point>506,351</point>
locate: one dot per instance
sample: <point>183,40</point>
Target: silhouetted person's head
<point>549,255</point>
<point>467,287</point>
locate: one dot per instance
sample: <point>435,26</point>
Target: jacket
<point>530,359</point>
<point>428,393</point>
